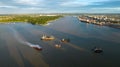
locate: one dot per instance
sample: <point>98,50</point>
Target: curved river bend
<point>15,53</point>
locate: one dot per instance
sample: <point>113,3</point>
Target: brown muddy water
<point>15,52</point>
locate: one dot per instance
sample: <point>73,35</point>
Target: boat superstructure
<point>45,37</point>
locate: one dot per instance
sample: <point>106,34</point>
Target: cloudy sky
<point>59,6</point>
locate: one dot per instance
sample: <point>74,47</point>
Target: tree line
<point>28,19</point>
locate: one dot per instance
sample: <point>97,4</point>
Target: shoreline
<point>45,24</point>
<point>35,20</point>
<point>117,26</point>
<point>113,26</point>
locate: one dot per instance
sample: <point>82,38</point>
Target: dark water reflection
<point>77,53</point>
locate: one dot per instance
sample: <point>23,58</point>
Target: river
<point>14,52</point>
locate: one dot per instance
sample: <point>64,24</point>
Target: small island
<point>33,19</point>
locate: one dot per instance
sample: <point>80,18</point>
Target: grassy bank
<point>28,18</point>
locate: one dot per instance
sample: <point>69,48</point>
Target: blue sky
<point>59,6</point>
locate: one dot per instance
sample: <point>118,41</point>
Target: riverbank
<point>33,19</point>
<point>101,21</point>
<point>114,25</point>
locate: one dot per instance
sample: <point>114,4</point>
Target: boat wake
<point>19,39</point>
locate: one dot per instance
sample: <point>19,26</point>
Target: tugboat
<point>65,40</point>
<point>58,45</point>
<point>37,47</point>
<point>44,37</point>
<point>97,50</point>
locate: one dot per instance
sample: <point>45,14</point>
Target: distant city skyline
<point>59,6</point>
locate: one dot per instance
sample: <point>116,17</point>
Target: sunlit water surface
<point>15,52</point>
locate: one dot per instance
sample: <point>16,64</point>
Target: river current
<point>15,52</point>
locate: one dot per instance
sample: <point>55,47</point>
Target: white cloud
<point>74,4</point>
<point>104,10</point>
<point>8,6</point>
<point>32,8</point>
<point>29,2</point>
<point>3,5</point>
<point>57,6</point>
<point>92,0</point>
<point>80,3</point>
<point>107,8</point>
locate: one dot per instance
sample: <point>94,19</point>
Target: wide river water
<point>15,52</point>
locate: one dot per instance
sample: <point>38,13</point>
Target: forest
<point>33,19</point>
